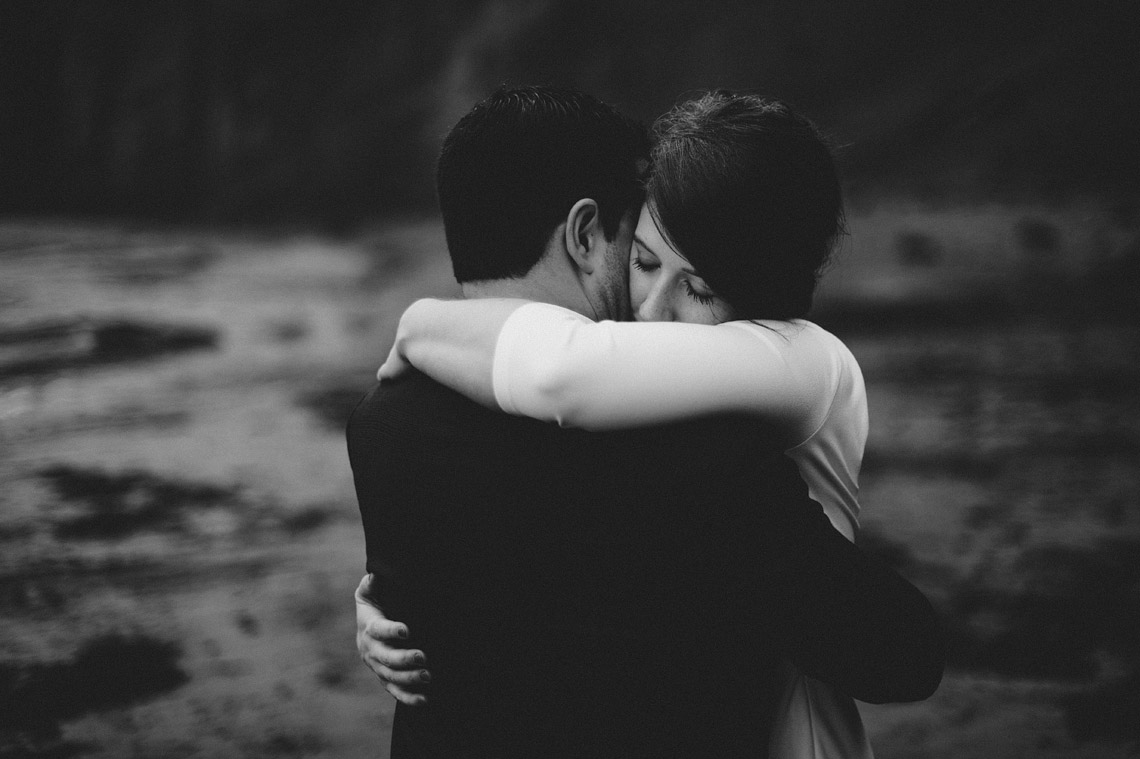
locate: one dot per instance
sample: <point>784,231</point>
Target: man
<point>563,582</point>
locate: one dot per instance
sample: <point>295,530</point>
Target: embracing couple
<point>610,496</point>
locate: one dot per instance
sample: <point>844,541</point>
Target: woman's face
<point>663,287</point>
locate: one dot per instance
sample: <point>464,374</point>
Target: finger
<point>411,680</point>
<point>396,658</point>
<point>362,589</point>
<point>386,629</point>
<point>404,696</point>
<point>393,366</point>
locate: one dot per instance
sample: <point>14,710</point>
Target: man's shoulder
<point>416,406</point>
<point>411,388</point>
<point>716,439</point>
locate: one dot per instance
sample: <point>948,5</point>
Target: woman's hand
<point>395,365</point>
<point>380,642</point>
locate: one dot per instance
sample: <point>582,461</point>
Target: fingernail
<point>418,658</point>
<point>402,632</point>
<point>425,676</point>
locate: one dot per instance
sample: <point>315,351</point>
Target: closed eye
<point>706,300</point>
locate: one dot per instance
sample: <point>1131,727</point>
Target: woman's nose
<point>655,307</point>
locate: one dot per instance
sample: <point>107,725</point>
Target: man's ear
<point>584,239</point>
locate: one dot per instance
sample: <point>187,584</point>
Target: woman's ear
<point>584,239</point>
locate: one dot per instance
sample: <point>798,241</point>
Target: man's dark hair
<point>512,168</point>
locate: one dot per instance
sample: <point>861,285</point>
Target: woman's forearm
<point>453,342</point>
<point>554,365</point>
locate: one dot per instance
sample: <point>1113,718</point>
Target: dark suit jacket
<point>618,594</point>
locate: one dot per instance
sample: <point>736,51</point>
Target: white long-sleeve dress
<point>556,365</point>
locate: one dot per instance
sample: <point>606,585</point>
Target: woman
<point>743,208</point>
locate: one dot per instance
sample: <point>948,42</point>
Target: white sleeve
<point>556,365</point>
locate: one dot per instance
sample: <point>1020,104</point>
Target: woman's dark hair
<point>511,169</point>
<point>746,190</point>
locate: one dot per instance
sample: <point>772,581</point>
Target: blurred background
<point>212,214</point>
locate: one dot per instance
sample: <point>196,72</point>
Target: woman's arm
<point>550,363</point>
<point>555,365</point>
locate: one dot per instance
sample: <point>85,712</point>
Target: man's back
<point>560,581</point>
<point>557,579</point>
